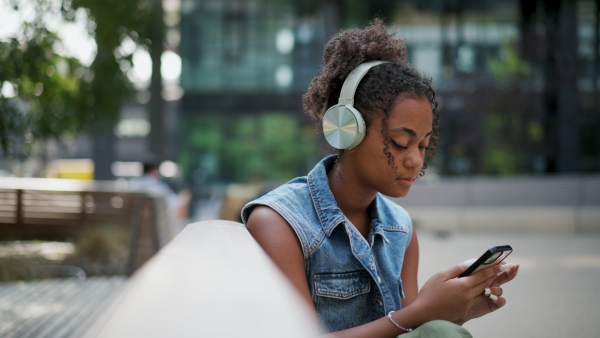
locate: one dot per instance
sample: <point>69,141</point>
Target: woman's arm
<point>442,297</point>
<point>280,242</point>
<point>410,269</point>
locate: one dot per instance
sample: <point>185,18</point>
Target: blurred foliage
<point>511,128</point>
<point>271,146</point>
<point>99,250</point>
<point>99,243</point>
<point>510,66</point>
<point>45,84</point>
<point>496,125</point>
<point>56,95</point>
<point>102,250</point>
<point>16,267</point>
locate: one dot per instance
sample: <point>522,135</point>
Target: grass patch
<point>102,250</point>
<point>15,267</point>
<point>97,251</point>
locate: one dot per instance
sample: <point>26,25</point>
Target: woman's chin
<point>398,193</point>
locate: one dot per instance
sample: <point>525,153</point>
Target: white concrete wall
<point>521,204</point>
<point>212,280</point>
<point>504,219</point>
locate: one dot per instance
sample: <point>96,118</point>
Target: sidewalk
<point>52,308</point>
<point>555,294</point>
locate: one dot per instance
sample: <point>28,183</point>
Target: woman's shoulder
<point>292,204</point>
<point>296,188</point>
<point>283,199</point>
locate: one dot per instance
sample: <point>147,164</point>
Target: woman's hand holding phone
<point>494,255</point>
<point>505,273</point>
<point>492,299</point>
<point>444,296</point>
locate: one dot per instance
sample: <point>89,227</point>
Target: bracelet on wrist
<point>396,324</point>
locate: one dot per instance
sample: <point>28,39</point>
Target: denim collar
<point>325,204</point>
<point>326,207</point>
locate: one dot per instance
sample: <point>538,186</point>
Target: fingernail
<point>494,298</point>
<point>487,291</point>
<point>505,267</point>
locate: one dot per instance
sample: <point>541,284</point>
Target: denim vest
<point>352,280</point>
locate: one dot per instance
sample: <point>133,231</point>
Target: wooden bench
<point>212,280</point>
<point>60,209</point>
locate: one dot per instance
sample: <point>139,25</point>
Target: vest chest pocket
<point>342,285</point>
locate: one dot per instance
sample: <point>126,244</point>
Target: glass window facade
<point>494,65</point>
<point>248,46</point>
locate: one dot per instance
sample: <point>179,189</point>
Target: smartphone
<point>492,256</point>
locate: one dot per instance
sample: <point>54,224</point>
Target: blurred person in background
<point>351,253</point>
<point>152,182</point>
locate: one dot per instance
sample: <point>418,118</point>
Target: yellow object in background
<point>80,169</point>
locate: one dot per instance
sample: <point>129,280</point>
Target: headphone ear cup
<point>343,126</point>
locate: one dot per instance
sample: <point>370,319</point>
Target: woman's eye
<point>397,145</point>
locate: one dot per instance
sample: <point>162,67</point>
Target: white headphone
<point>343,125</point>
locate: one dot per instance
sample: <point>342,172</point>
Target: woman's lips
<point>406,180</point>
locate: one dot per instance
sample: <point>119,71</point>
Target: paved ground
<point>557,291</point>
<point>51,308</point>
<point>556,294</point>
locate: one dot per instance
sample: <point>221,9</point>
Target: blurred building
<point>243,61</point>
<point>517,80</point>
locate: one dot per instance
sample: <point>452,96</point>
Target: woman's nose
<point>414,158</point>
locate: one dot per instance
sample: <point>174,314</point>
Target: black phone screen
<point>492,256</point>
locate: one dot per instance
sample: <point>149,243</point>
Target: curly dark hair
<point>380,87</point>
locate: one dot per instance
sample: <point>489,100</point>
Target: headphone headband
<point>343,125</point>
<point>353,79</point>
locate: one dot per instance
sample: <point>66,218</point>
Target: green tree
<point>58,96</point>
<point>272,146</point>
<point>45,83</point>
<point>511,127</point>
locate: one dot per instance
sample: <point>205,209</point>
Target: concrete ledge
<point>212,280</point>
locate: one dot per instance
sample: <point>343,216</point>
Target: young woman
<point>350,252</point>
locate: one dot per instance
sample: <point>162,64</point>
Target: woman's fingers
<point>494,294</point>
<point>498,302</point>
<point>453,272</point>
<point>478,299</point>
<point>510,272</point>
<point>483,279</point>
